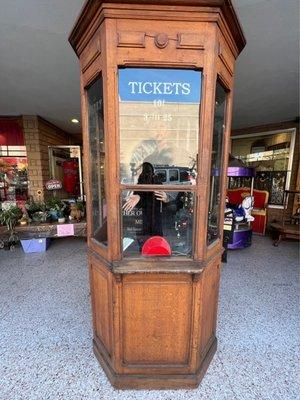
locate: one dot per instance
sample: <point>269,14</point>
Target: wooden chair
<point>289,228</point>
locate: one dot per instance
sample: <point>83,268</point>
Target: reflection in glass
<point>273,182</point>
<point>159,122</point>
<point>213,230</point>
<point>172,219</point>
<point>97,160</point>
<point>266,152</point>
<point>270,154</point>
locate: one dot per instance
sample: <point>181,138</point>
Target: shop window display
<point>13,179</point>
<point>159,129</point>
<point>271,155</point>
<point>13,163</point>
<point>65,165</point>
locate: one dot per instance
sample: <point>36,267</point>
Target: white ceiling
<point>39,71</point>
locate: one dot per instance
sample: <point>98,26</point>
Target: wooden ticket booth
<point>156,90</point>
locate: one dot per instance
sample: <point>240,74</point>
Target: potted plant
<point>9,218</point>
<point>36,210</point>
<point>55,208</point>
<point>60,217</point>
<point>24,220</point>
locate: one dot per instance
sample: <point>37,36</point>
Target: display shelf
<point>45,230</point>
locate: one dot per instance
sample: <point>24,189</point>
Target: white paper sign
<point>65,230</point>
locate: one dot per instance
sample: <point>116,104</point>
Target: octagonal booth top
<point>92,9</point>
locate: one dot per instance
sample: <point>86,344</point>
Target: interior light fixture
<point>75,121</point>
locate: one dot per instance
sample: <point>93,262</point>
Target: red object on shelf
<point>71,176</point>
<point>156,246</point>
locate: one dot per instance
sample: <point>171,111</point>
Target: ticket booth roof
<point>91,7</point>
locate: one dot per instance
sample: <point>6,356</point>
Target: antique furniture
<point>242,232</point>
<point>260,206</point>
<point>289,227</point>
<point>156,89</point>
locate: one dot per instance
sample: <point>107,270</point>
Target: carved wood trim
<point>91,8</point>
<point>223,80</point>
<point>190,40</point>
<point>155,63</point>
<point>90,53</point>
<point>223,58</point>
<point>131,39</point>
<point>161,40</point>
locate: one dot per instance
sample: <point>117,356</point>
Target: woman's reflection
<point>149,202</point>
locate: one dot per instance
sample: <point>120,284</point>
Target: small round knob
<point>161,40</point>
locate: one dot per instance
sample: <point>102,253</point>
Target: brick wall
<point>38,135</point>
<point>31,137</point>
<point>276,214</point>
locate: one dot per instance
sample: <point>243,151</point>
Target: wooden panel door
<point>156,320</point>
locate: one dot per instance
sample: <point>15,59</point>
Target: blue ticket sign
<point>168,85</point>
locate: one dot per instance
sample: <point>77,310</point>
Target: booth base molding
<point>154,330</point>
<point>158,381</point>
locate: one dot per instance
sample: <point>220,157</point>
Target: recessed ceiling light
<point>75,121</point>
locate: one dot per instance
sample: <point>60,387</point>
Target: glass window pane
<point>213,230</point>
<point>266,152</point>
<point>172,220</point>
<point>13,178</point>
<point>270,155</point>
<point>159,121</point>
<point>173,175</point>
<point>97,161</point>
<point>184,176</point>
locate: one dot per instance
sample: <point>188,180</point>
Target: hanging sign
<point>53,184</point>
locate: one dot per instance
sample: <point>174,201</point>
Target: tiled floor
<point>45,328</point>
